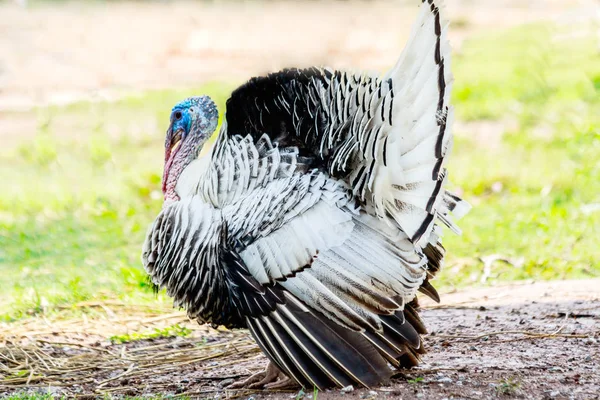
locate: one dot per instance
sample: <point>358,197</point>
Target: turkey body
<point>316,219</point>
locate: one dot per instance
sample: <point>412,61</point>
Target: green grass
<point>530,190</point>
<point>76,199</point>
<point>418,379</point>
<point>508,387</point>
<point>28,396</point>
<point>170,331</point>
<point>533,72</point>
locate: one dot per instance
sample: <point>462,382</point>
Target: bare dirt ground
<point>530,340</point>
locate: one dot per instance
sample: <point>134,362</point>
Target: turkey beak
<point>172,144</point>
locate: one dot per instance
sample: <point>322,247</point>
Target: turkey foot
<point>270,378</point>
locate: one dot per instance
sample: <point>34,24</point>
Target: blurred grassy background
<point>78,195</point>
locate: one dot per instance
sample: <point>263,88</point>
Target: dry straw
<point>75,358</point>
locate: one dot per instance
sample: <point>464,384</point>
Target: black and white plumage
<point>315,220</point>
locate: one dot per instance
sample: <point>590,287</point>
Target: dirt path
<point>532,340</point>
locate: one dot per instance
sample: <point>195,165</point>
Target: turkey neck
<point>180,158</point>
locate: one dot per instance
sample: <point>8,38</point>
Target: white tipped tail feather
<point>411,185</point>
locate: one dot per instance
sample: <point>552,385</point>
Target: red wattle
<point>169,157</point>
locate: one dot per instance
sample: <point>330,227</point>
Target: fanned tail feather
<point>411,185</point>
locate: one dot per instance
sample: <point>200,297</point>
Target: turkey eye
<point>178,115</point>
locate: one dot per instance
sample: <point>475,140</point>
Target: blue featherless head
<point>192,122</point>
<point>194,115</point>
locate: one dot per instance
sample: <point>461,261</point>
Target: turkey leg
<point>270,378</point>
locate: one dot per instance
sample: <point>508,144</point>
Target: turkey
<point>317,216</point>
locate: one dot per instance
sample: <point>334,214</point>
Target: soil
<point>530,340</point>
